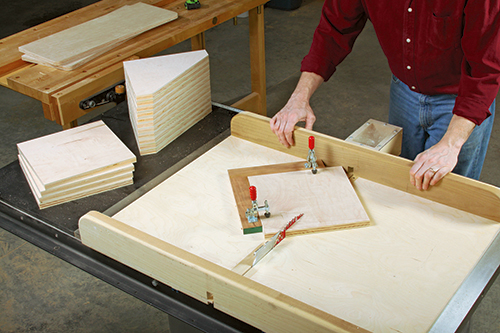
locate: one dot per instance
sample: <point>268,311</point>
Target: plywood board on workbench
<point>85,41</point>
<point>394,276</point>
<point>75,163</point>
<point>166,95</point>
<point>327,200</point>
<point>195,208</point>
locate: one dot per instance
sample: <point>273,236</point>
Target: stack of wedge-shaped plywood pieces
<point>73,47</point>
<point>166,96</point>
<point>75,163</point>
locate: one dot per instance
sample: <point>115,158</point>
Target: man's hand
<point>439,160</point>
<point>297,109</point>
<point>283,123</point>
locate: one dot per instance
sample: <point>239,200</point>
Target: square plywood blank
<point>327,200</point>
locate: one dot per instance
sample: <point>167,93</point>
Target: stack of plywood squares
<point>166,96</point>
<point>75,163</point>
<point>73,47</point>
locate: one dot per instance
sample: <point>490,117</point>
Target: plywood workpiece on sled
<point>327,200</point>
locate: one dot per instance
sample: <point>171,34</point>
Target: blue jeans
<point>425,119</point>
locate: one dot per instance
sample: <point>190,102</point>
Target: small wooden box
<point>378,135</point>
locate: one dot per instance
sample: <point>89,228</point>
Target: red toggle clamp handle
<point>311,142</point>
<point>253,193</point>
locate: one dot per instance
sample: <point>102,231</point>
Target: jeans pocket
<point>395,79</point>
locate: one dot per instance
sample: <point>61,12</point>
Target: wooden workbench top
<point>41,82</point>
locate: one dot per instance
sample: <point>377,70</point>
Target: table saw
<point>62,93</point>
<point>453,250</point>
<point>216,298</point>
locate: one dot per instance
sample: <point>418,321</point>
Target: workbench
<point>54,229</point>
<point>60,92</point>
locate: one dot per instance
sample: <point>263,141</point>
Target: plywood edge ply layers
<point>454,190</point>
<point>231,293</point>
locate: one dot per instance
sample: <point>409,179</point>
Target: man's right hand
<point>283,123</point>
<point>297,109</point>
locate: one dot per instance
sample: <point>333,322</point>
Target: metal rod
<point>227,107</point>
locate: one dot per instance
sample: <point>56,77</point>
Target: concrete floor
<point>41,293</point>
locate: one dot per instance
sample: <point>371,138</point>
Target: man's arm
<point>296,109</point>
<point>439,160</point>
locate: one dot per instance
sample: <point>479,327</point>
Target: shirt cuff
<point>317,65</point>
<point>471,109</point>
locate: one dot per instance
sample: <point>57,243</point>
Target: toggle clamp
<point>252,214</point>
<point>311,157</point>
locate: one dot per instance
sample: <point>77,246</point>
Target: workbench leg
<point>48,112</point>
<point>257,57</point>
<point>198,42</point>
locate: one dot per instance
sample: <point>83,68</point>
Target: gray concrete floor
<point>41,293</point>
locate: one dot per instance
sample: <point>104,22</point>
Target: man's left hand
<point>432,165</point>
<point>436,162</point>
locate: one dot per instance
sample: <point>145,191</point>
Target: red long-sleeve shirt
<point>434,46</point>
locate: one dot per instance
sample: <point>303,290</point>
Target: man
<point>445,60</point>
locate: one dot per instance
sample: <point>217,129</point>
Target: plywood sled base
<point>396,274</point>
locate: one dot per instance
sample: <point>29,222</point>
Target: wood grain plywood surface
<point>327,200</point>
<point>148,76</point>
<point>195,208</point>
<point>81,43</point>
<point>394,276</point>
<point>71,64</point>
<point>238,296</point>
